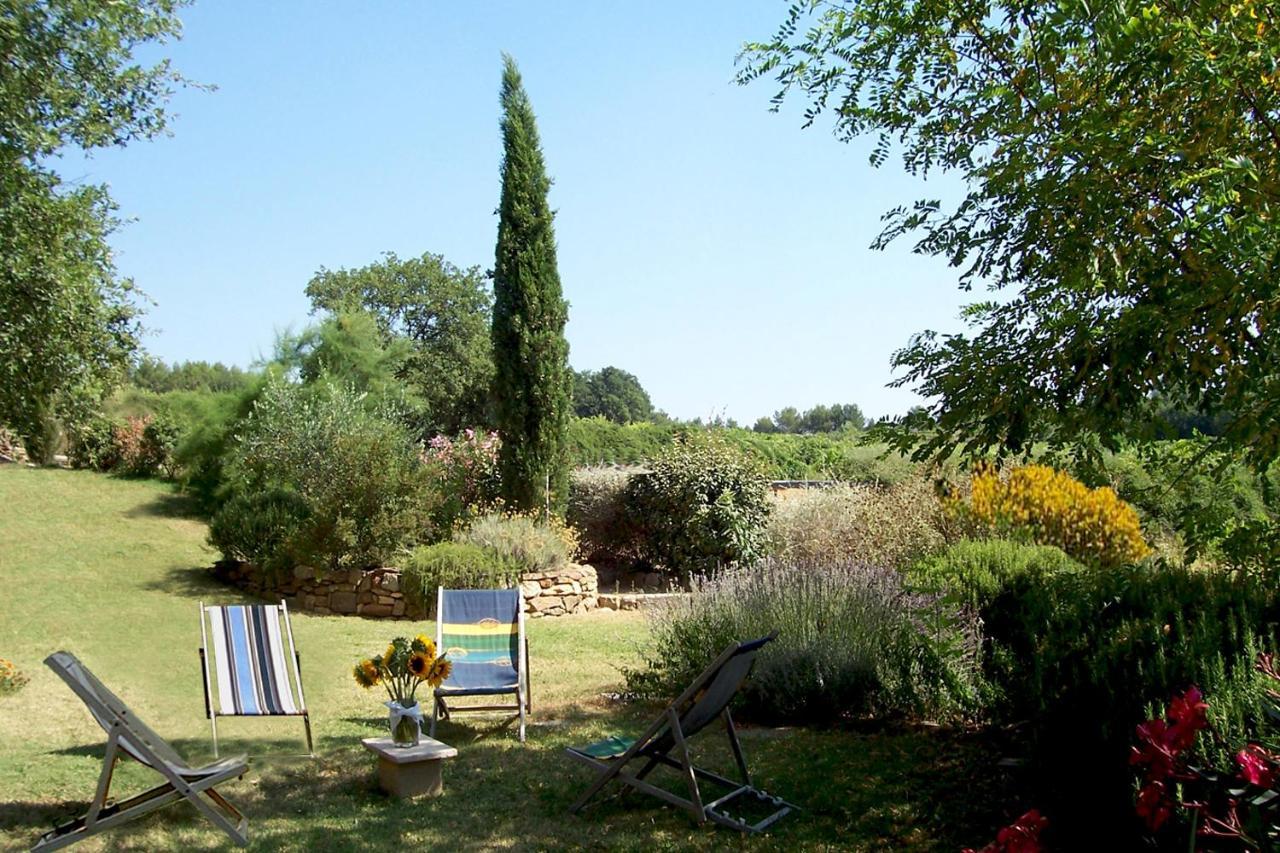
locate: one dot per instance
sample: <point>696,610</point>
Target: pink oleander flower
<point>1154,805</point>
<point>1189,715</point>
<point>1154,750</point>
<point>1021,836</point>
<point>1257,766</point>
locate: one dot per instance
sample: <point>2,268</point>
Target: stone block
<point>529,589</point>
<point>304,572</point>
<point>390,582</point>
<point>343,602</point>
<point>386,599</point>
<point>543,603</point>
<point>375,609</point>
<point>366,597</point>
<point>398,608</point>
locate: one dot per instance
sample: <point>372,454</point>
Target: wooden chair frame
<point>195,785</point>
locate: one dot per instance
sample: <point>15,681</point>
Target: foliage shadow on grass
<point>171,504</point>
<point>197,582</point>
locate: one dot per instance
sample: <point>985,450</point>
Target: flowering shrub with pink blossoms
<point>464,469</point>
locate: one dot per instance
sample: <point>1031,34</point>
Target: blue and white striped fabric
<point>253,676</point>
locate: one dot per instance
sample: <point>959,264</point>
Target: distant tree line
<point>819,419</point>
<point>153,374</point>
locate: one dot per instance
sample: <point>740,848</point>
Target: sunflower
<point>426,645</point>
<point>419,665</point>
<point>366,674</point>
<point>388,656</point>
<point>440,670</point>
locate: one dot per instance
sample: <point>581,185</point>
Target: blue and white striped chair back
<point>252,661</point>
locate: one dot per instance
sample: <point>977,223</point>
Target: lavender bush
<point>852,641</point>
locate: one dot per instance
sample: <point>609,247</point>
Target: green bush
<point>701,506</point>
<point>852,641</point>
<point>973,573</point>
<point>201,454</point>
<point>138,446</point>
<point>453,565</point>
<point>1189,489</point>
<point>522,541</point>
<point>893,526</point>
<point>262,528</point>
<point>92,445</point>
<point>598,511</point>
<point>356,472</point>
<point>1080,657</point>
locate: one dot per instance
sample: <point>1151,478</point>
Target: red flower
<point>1188,713</point>
<point>1021,836</point>
<point>1154,750</point>
<point>1257,766</point>
<point>1153,806</point>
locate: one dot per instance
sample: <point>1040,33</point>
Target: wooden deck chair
<point>127,734</point>
<point>482,631</point>
<point>251,665</point>
<point>699,705</point>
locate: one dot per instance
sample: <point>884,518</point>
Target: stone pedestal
<point>411,771</point>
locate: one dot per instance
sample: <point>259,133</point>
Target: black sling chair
<point>705,699</point>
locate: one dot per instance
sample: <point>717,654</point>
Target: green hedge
<point>838,456</point>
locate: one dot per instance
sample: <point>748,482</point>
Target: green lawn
<point>112,571</point>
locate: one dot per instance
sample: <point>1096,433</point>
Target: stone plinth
<point>410,771</point>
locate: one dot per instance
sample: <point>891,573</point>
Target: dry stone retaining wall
<point>377,593</point>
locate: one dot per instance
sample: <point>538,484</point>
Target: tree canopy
<point>443,311</point>
<point>533,384</point>
<point>71,79</point>
<point>610,393</point>
<point>815,420</point>
<point>1120,160</point>
<point>153,374</point>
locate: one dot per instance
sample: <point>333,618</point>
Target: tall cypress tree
<point>533,385</point>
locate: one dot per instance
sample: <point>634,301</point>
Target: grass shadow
<point>169,504</point>
<point>195,582</point>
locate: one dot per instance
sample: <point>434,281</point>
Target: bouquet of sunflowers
<point>400,669</point>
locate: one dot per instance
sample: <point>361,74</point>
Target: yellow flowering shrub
<point>1092,525</point>
<point>11,678</point>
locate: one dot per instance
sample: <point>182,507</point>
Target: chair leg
<point>213,724</point>
<point>737,748</point>
<point>695,807</point>
<point>306,721</point>
<point>435,712</point>
<point>520,704</point>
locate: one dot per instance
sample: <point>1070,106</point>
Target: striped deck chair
<point>482,631</point>
<point>698,706</point>
<point>129,735</point>
<point>250,665</point>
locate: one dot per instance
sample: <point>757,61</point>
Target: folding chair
<point>482,631</point>
<point>252,669</point>
<point>705,699</point>
<point>126,733</point>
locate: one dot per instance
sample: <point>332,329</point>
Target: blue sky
<point>710,247</point>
